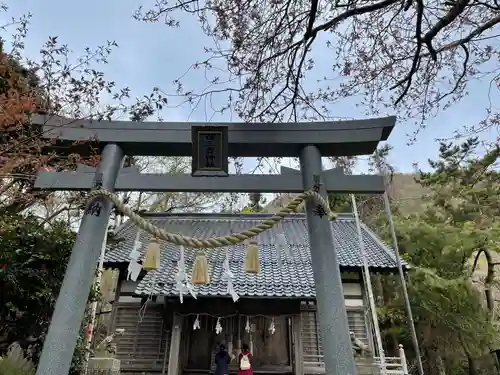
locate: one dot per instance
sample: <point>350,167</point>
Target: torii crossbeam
<point>308,141</point>
<point>130,179</point>
<point>335,138</point>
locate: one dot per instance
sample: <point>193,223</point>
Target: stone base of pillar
<point>365,366</point>
<point>103,366</point>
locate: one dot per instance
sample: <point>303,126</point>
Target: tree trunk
<point>488,283</point>
<point>435,365</point>
<point>472,365</point>
<point>490,300</point>
<point>489,279</point>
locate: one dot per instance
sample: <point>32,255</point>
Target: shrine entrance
<point>272,352</point>
<point>266,327</point>
<point>209,147</point>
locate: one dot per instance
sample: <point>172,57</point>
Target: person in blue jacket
<point>222,360</point>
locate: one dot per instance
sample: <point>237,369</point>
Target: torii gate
<point>210,146</point>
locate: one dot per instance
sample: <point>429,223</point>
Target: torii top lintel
<point>333,138</point>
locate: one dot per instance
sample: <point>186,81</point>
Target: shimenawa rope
<point>211,243</point>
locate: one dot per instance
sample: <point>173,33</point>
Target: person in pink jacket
<point>245,361</point>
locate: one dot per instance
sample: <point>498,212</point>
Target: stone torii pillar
<point>309,141</point>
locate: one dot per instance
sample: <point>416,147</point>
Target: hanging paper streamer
<point>282,245</point>
<point>182,283</point>
<point>228,276</point>
<point>272,328</point>
<point>134,269</point>
<point>218,327</point>
<point>135,253</point>
<point>196,324</point>
<point>152,285</point>
<point>247,326</point>
<point>137,242</point>
<point>278,257</point>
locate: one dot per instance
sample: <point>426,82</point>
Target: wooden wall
<point>108,288</point>
<point>358,320</point>
<point>271,351</point>
<point>144,347</point>
<point>294,347</point>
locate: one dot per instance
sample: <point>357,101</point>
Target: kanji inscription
<point>210,147</point>
<point>94,208</point>
<point>210,151</point>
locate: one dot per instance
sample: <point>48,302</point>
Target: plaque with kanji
<point>95,207</point>
<point>210,151</point>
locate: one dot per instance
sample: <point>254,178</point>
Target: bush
<point>14,363</point>
<point>36,258</point>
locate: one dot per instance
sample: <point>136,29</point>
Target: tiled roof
<point>293,278</point>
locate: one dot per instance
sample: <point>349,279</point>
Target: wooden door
<point>200,343</point>
<point>269,349</point>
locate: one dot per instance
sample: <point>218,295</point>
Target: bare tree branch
<point>281,60</point>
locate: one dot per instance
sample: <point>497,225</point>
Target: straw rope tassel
<point>252,258</point>
<point>199,274</point>
<point>211,243</point>
<point>152,258</point>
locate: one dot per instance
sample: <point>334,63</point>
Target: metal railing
<point>313,364</point>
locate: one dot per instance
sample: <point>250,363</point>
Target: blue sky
<point>154,55</point>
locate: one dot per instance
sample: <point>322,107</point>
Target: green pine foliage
<point>459,217</point>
